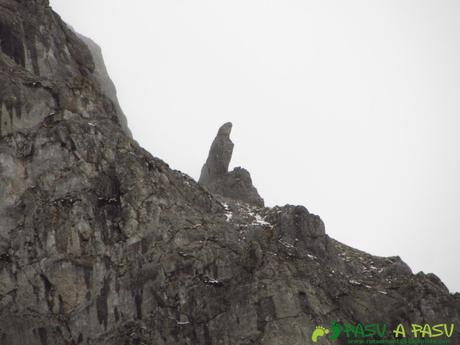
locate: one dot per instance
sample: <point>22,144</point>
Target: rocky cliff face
<point>101,243</point>
<point>102,77</point>
<point>46,70</point>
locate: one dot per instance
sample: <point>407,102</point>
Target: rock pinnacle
<point>236,184</point>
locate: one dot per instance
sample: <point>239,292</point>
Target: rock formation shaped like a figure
<point>236,184</point>
<point>219,157</point>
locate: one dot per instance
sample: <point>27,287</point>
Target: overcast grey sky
<point>351,108</point>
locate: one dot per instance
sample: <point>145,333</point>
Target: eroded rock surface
<point>101,243</point>
<point>45,70</point>
<point>236,184</point>
<point>104,80</point>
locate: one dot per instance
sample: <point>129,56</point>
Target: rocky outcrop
<point>236,184</point>
<point>102,243</point>
<point>219,156</point>
<point>45,70</point>
<point>103,78</point>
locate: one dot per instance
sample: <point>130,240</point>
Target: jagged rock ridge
<point>101,243</point>
<point>236,184</point>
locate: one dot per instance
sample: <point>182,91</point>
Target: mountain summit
<point>102,243</point>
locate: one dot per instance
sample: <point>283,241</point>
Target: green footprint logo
<point>319,331</point>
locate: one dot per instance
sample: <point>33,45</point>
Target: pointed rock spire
<point>236,184</point>
<point>219,156</point>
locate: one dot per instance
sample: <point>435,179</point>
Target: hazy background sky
<point>351,108</point>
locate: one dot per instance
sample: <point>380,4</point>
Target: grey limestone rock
<point>103,78</point>
<point>219,157</point>
<point>236,184</point>
<point>103,244</point>
<point>46,70</point>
